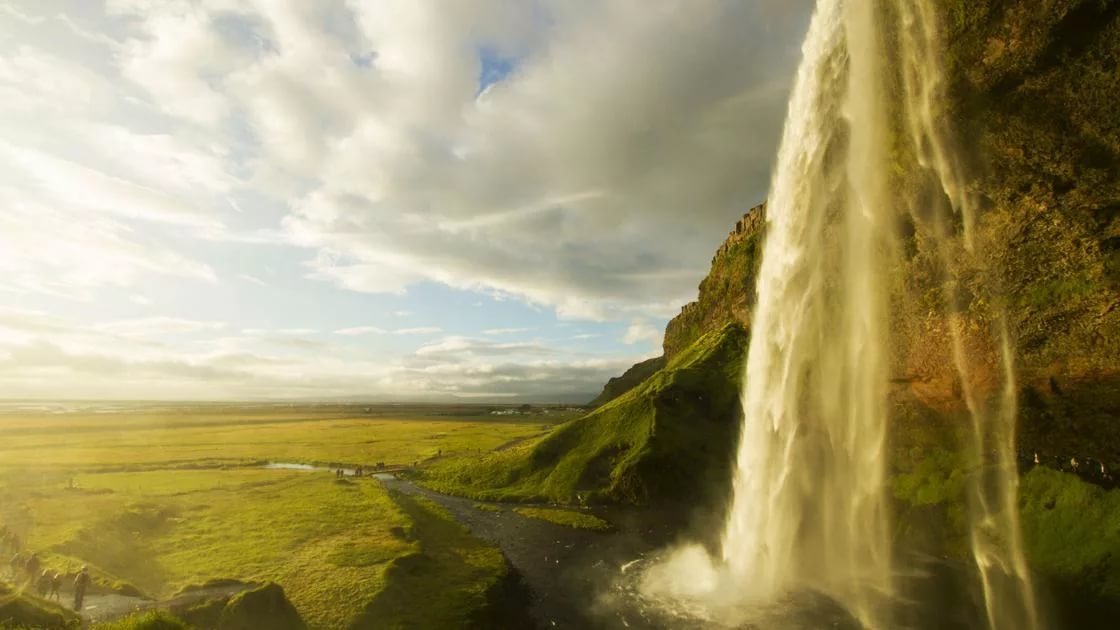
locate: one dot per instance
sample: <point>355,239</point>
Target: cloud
<point>67,254</point>
<point>594,175</point>
<point>360,330</point>
<point>641,331</point>
<point>422,330</point>
<point>252,279</point>
<point>555,153</point>
<point>157,326</point>
<point>505,331</point>
<point>469,347</point>
<point>261,332</point>
<point>99,363</point>
<point>606,206</point>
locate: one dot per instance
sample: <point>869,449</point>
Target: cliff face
<point>1033,88</point>
<point>727,294</point>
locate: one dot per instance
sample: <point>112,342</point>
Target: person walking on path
<point>56,585</point>
<point>80,584</point>
<point>32,568</point>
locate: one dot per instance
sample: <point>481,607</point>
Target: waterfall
<point>809,506</point>
<point>994,533</point>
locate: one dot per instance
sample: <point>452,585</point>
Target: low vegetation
<point>156,503</point>
<point>154,439</point>
<point>21,609</point>
<point>151,620</point>
<point>567,518</point>
<point>450,579</point>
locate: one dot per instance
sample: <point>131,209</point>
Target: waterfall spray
<point>809,508</point>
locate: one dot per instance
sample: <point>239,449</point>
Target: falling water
<point>994,519</point>
<point>809,506</point>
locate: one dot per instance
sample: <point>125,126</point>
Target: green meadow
<point>158,500</point>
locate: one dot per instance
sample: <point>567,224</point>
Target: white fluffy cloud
<point>595,177</point>
<point>582,157</point>
<point>641,330</point>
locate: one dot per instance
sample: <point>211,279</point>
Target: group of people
<point>26,569</point>
<point>9,541</point>
<point>360,471</point>
<point>1088,469</point>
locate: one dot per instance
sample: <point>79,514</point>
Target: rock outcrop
<point>727,294</point>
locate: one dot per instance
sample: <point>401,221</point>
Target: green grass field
<point>567,518</point>
<point>208,436</point>
<point>163,499</point>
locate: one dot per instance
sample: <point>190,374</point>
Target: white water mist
<point>809,507</point>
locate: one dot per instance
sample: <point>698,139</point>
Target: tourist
<point>56,586</point>
<point>32,568</point>
<point>80,584</point>
<point>16,565</point>
<point>43,585</point>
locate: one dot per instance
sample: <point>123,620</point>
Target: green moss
<point>262,607</point>
<point>151,620</point>
<point>567,518</point>
<point>726,294</point>
<point>1071,530</point>
<point>1056,291</point>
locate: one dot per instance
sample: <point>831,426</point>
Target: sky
<point>389,199</point>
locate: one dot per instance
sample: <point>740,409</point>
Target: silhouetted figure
<point>43,586</point>
<point>32,568</point>
<point>1054,387</point>
<point>56,586</point>
<point>16,565</point>
<point>81,582</point>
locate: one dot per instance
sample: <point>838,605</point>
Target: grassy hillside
<point>633,377</point>
<point>1071,529</point>
<point>22,609</point>
<point>669,438</point>
<point>449,580</point>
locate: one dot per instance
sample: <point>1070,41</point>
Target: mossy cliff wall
<point>727,294</point>
<point>1033,90</point>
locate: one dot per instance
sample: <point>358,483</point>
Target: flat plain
<point>159,497</point>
